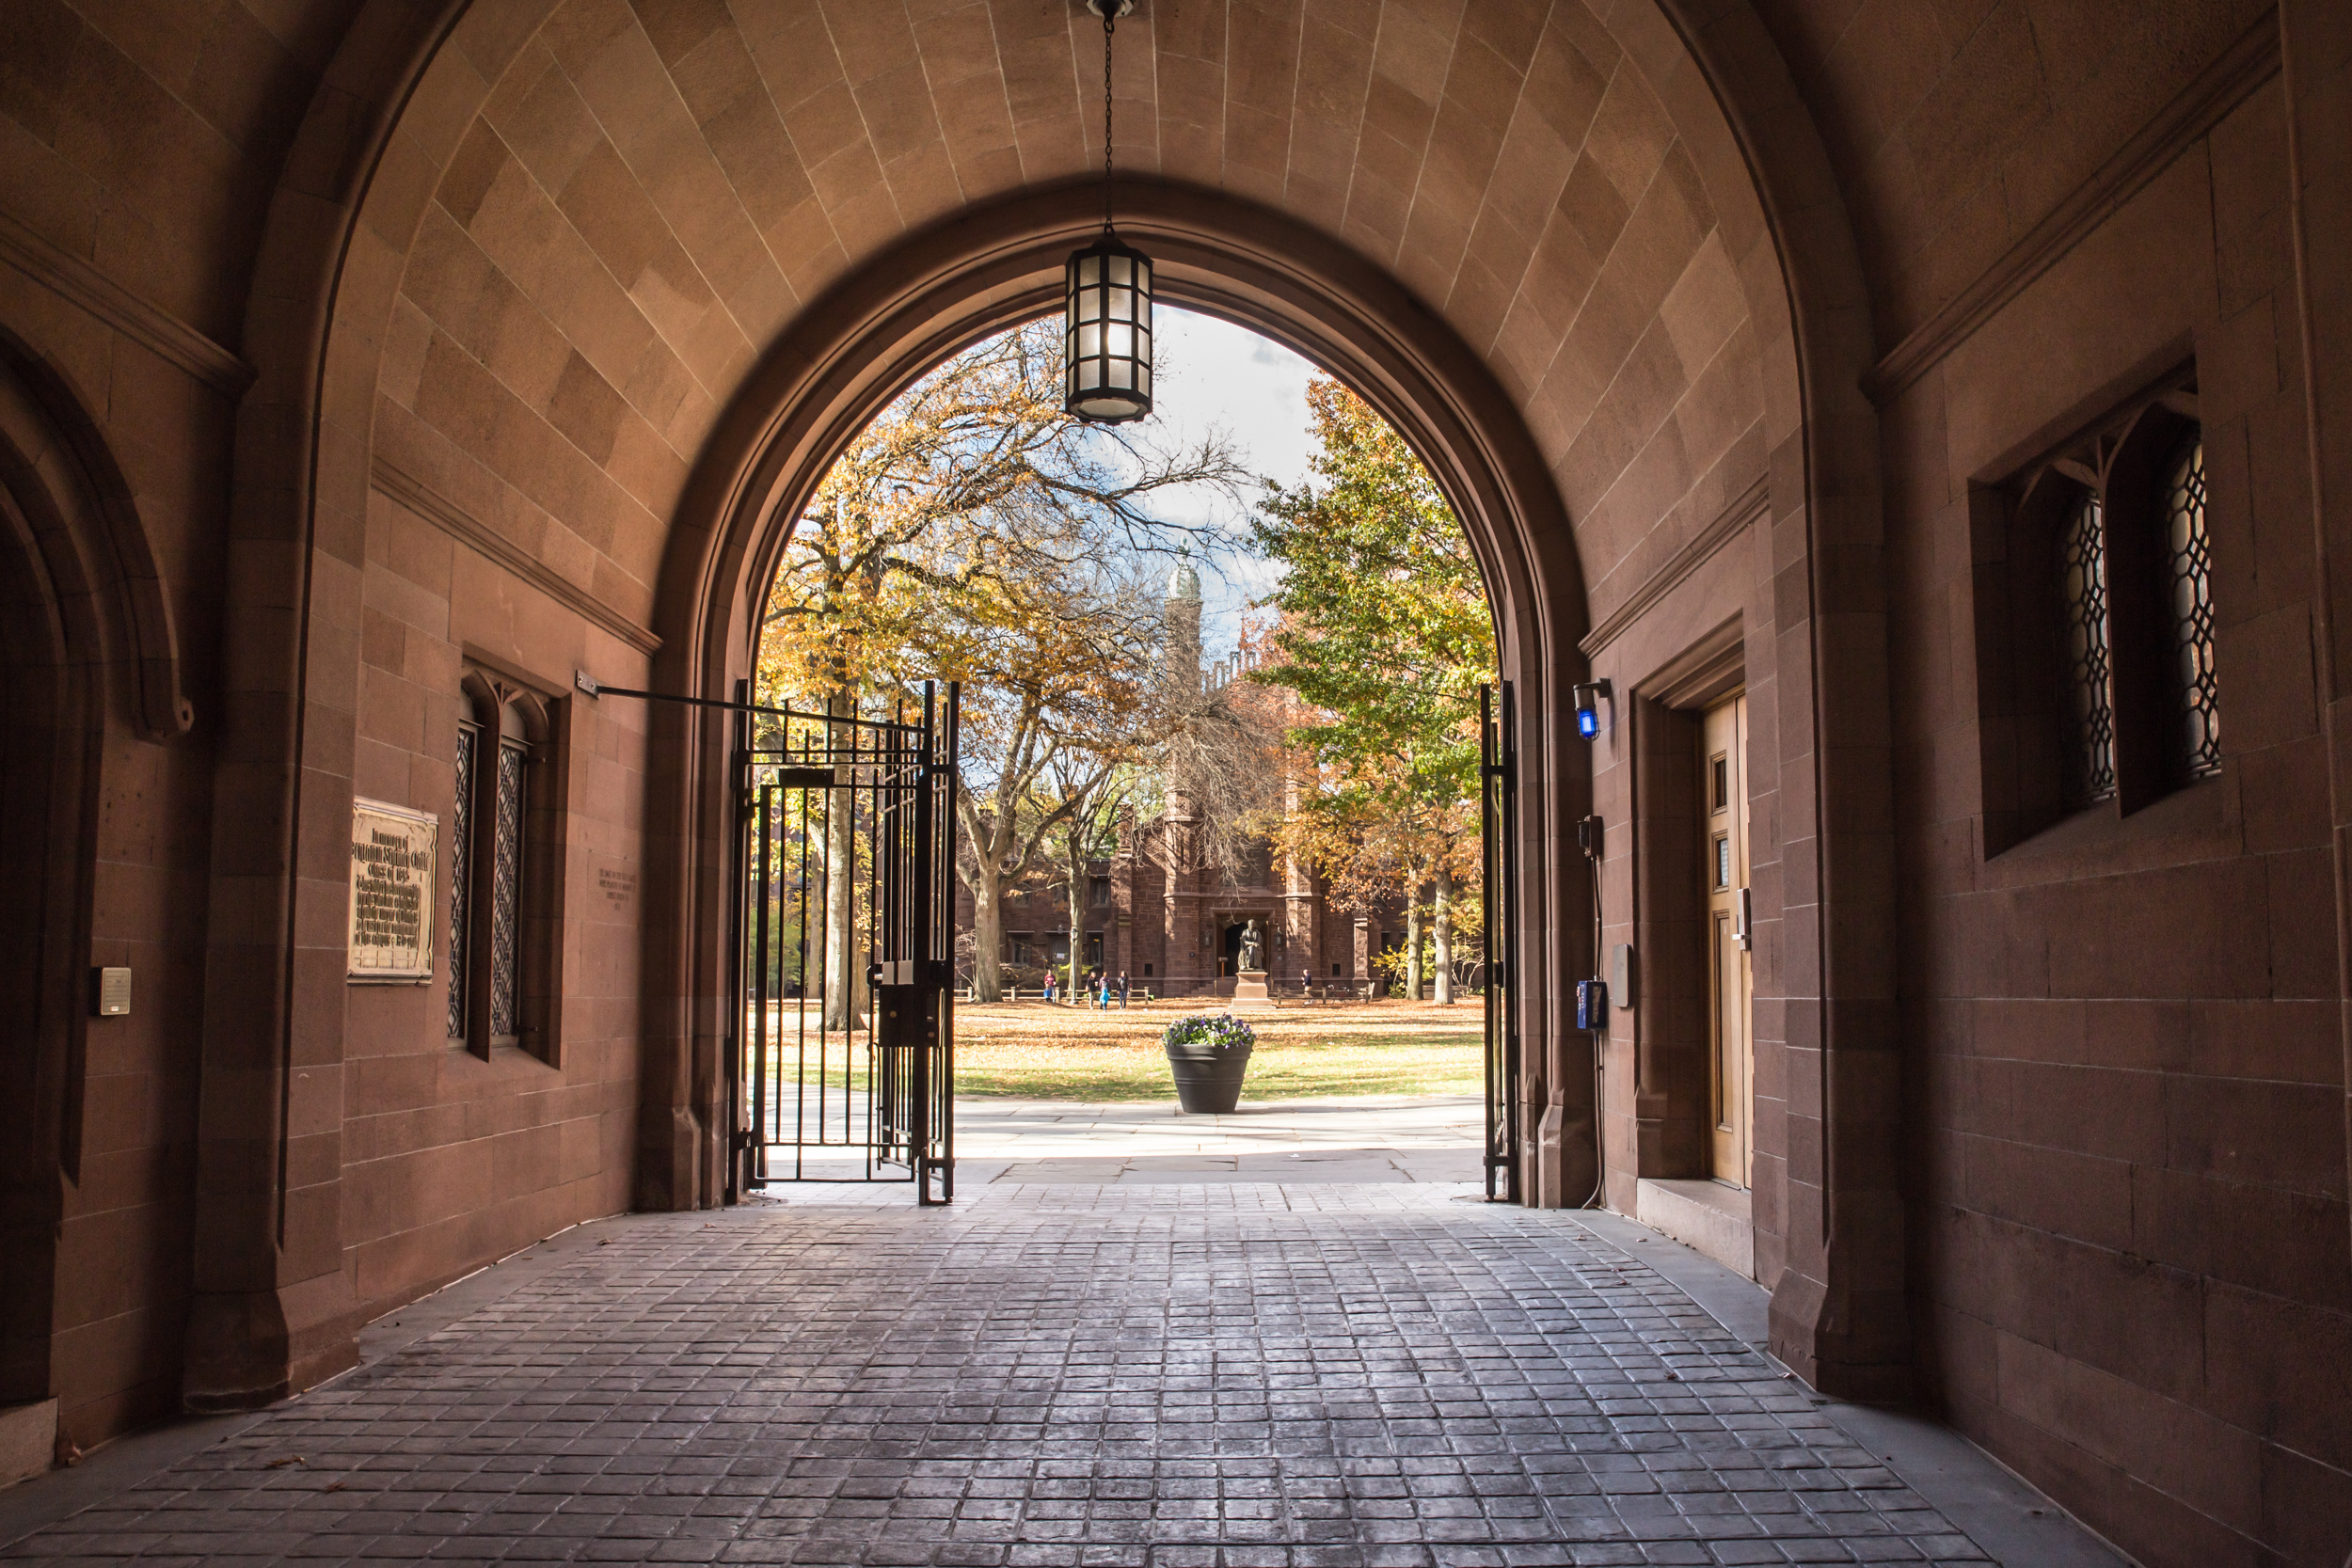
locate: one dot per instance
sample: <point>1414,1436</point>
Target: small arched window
<point>2122,513</point>
<point>496,879</point>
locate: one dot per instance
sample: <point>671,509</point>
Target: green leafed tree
<point>1385,637</point>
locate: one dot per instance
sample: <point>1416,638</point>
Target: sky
<point>1211,374</point>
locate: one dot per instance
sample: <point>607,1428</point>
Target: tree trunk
<point>1001,851</point>
<point>845,958</point>
<point>1444,935</point>
<point>988,929</point>
<point>1412,943</point>
<point>1079,886</point>
<point>987,882</point>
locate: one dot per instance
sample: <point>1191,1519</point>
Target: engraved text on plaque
<point>392,859</point>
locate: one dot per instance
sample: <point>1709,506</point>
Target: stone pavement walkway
<point>1391,1138</point>
<point>1312,1376</point>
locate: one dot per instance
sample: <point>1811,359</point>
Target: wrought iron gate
<point>847,840</point>
<point>1499,771</point>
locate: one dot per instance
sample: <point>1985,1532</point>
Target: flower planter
<point>1207,1054</point>
<point>1208,1077</point>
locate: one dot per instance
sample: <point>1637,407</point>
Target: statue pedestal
<point>1249,988</point>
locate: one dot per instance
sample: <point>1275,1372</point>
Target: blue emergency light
<point>1589,696</point>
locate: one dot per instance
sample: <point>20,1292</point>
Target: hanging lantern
<point>1109,343</point>
<point>1106,290</point>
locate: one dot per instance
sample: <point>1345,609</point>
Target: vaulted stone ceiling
<point>654,187</point>
<point>652,191</point>
<point>1958,125</point>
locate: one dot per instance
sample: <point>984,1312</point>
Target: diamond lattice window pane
<point>2083,582</point>
<point>460,880</point>
<point>2190,549</point>
<point>506,884</point>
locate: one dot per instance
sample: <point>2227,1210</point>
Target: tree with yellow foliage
<point>974,531</point>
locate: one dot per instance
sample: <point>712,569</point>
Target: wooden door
<point>1723,868</point>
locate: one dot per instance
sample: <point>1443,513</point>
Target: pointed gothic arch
<point>941,291</point>
<point>87,643</point>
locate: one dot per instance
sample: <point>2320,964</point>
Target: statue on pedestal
<point>1253,948</point>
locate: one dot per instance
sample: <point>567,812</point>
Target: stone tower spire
<point>1180,653</point>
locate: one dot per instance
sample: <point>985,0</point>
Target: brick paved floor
<point>1344,1375</point>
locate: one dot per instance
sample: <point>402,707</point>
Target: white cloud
<point>1213,374</point>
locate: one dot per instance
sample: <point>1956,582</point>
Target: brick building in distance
<point>1161,912</point>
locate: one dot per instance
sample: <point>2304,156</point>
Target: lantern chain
<point>1110,13</point>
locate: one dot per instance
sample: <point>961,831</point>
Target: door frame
<point>1669,1022</point>
<point>1724,878</point>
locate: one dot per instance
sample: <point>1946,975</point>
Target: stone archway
<point>943,289</point>
<point>87,647</point>
<point>1623,228</point>
<point>46,701</point>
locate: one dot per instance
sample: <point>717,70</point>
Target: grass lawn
<point>1035,1051</point>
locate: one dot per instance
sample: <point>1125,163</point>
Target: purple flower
<point>1222,1031</point>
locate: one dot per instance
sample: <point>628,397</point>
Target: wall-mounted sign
<point>393,854</point>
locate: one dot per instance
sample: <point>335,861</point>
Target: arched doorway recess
<point>987,271</point>
<point>1716,170</point>
<point>89,658</point>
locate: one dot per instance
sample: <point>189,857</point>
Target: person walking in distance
<point>1123,990</point>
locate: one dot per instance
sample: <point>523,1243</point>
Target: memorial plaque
<point>393,854</point>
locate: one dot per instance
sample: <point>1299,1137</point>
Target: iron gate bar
<point>885,786</point>
<point>759,974</point>
<point>730,1039</point>
<point>1497,790</point>
<point>878,1086</point>
<point>741,703</point>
